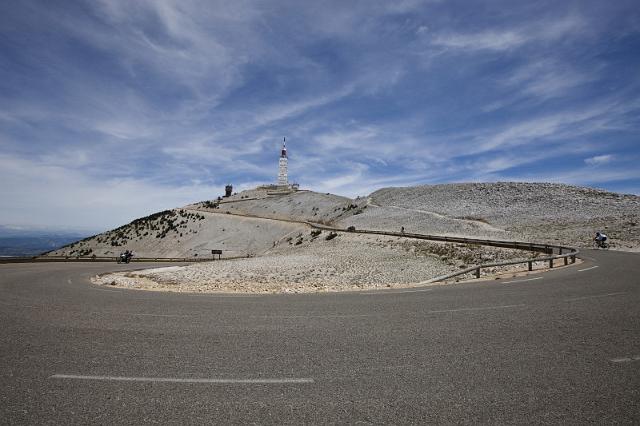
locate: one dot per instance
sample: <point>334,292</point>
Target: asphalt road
<point>563,347</point>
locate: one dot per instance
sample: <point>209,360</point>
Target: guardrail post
<point>566,261</point>
<point>560,250</point>
<point>477,272</point>
<point>573,259</point>
<point>530,265</point>
<point>550,263</point>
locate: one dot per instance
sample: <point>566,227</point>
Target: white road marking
<point>107,289</point>
<point>582,256</point>
<point>375,293</point>
<point>223,296</point>
<point>311,316</point>
<point>594,296</point>
<point>476,309</point>
<point>521,281</point>
<point>160,315</point>
<point>588,269</point>
<point>178,380</point>
<point>626,359</point>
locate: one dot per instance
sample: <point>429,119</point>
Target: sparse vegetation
<point>210,204</point>
<point>331,236</point>
<point>159,224</point>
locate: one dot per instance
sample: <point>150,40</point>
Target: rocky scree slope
<point>303,205</point>
<point>544,212</point>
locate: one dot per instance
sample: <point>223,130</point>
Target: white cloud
<point>546,78</point>
<point>488,40</point>
<point>507,39</point>
<point>293,108</point>
<point>599,159</point>
<point>36,194</point>
<point>566,124</point>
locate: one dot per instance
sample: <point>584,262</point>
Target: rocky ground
<point>540,212</point>
<point>318,262</point>
<point>300,206</point>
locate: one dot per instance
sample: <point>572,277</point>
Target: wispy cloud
<point>599,159</point>
<point>510,38</point>
<point>545,78</point>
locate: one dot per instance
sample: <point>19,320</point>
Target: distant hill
<point>31,242</point>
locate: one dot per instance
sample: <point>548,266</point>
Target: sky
<point>114,109</point>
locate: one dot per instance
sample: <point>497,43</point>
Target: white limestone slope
<point>296,206</point>
<point>195,235</point>
<point>544,212</point>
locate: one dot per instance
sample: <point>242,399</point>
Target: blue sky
<point>111,110</point>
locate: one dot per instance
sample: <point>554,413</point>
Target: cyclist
<point>600,239</point>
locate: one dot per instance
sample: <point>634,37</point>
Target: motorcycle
<point>125,257</point>
<point>600,244</point>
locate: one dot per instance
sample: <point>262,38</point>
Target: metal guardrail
<point>476,269</point>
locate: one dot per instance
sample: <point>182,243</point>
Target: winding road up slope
<point>562,347</point>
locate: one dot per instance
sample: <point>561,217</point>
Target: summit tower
<point>283,176</point>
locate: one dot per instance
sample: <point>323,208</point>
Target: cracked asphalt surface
<point>561,349</point>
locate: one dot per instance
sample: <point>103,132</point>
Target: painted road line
<point>486,308</point>
<point>582,256</point>
<point>626,359</point>
<point>521,281</point>
<point>311,316</point>
<point>106,289</point>
<point>225,296</point>
<point>160,315</point>
<point>178,380</point>
<point>588,269</point>
<point>595,296</point>
<point>376,293</point>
